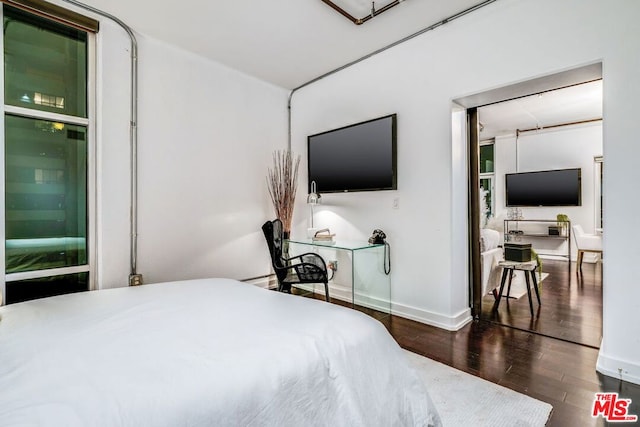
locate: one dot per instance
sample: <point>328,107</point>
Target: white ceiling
<point>291,42</point>
<point>567,105</point>
<point>285,42</point>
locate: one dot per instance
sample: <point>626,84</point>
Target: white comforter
<point>198,353</point>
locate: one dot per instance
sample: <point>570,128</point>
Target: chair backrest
<point>585,241</point>
<point>273,235</point>
<point>577,230</point>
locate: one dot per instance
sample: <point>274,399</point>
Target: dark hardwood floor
<point>571,305</point>
<point>558,372</point>
<point>554,371</point>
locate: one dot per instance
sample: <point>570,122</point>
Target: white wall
<point>205,138</point>
<point>113,160</point>
<point>506,42</point>
<point>560,148</point>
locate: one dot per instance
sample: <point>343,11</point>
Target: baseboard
<point>344,294</point>
<point>619,369</point>
<point>449,323</point>
<point>267,282</point>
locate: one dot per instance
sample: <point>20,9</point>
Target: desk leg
<point>504,279</point>
<point>535,286</point>
<point>526,276</point>
<point>509,286</point>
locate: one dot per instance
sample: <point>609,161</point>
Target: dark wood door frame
<point>473,147</point>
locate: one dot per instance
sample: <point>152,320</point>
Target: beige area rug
<point>519,284</point>
<point>466,400</point>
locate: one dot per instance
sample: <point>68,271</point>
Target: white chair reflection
<point>586,243</point>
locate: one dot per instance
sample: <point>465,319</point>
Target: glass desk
<point>360,277</point>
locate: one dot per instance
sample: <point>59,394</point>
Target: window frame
<point>90,123</point>
<point>491,176</point>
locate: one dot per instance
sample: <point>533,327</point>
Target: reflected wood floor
<point>571,304</point>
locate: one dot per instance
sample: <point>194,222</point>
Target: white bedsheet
<point>203,352</point>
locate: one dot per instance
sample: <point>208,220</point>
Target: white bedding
<point>202,352</point>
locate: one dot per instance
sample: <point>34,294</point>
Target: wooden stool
<point>529,269</point>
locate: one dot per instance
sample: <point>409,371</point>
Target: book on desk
<point>323,236</point>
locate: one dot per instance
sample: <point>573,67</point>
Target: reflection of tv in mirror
<point>360,157</point>
<point>562,187</point>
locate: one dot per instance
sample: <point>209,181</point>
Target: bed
<point>202,352</point>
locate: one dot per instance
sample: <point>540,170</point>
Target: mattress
<point>198,353</point>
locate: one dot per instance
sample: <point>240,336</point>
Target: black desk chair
<point>305,268</point>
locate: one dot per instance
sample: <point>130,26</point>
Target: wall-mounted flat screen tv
<point>561,187</point>
<point>360,157</point>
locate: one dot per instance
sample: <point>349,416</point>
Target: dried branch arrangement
<point>282,182</point>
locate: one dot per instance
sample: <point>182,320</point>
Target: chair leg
<point>326,291</point>
<point>579,261</point>
<point>284,288</point>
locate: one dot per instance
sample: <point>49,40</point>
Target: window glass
<point>486,158</point>
<point>45,64</point>
<point>45,194</point>
<point>486,196</point>
<point>24,290</point>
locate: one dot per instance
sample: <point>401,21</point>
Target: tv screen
<point>359,157</point>
<point>562,187</point>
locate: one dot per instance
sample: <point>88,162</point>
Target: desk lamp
<point>313,198</point>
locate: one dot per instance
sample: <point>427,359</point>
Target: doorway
<point>524,128</point>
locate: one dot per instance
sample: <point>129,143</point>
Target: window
<point>486,158</point>
<point>46,145</point>
<point>599,195</point>
<point>487,179</point>
<point>486,194</point>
